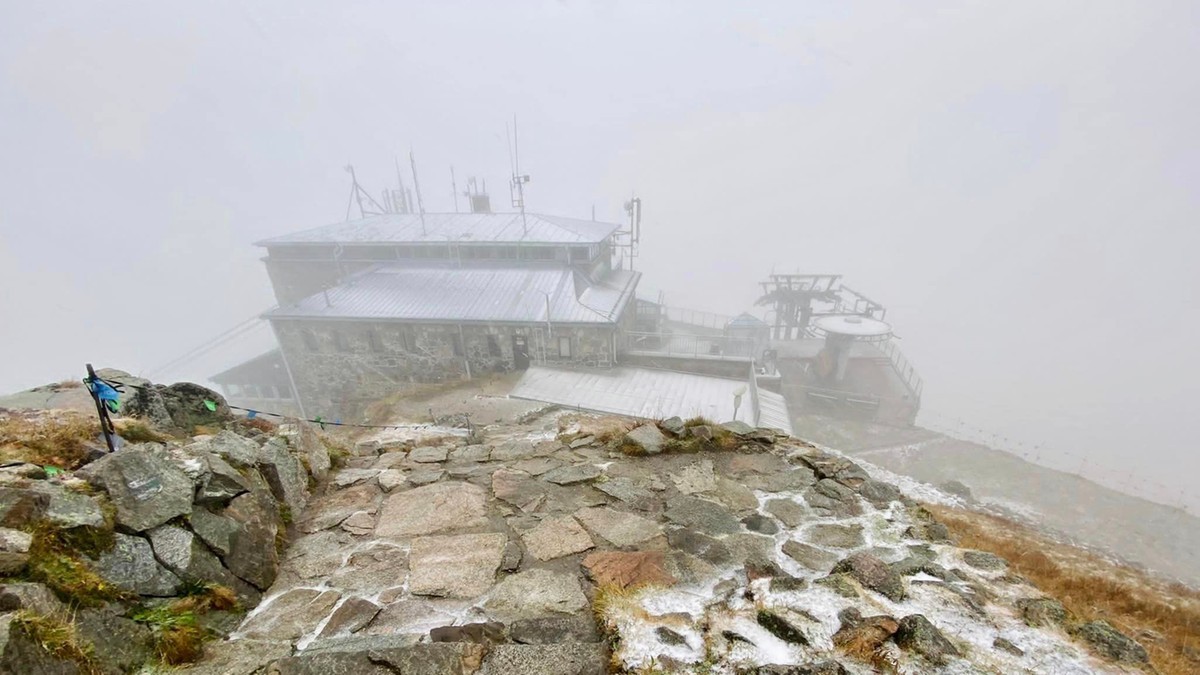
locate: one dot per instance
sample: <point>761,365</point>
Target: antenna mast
<point>417,186</point>
<point>517,185</point>
<point>357,193</point>
<point>453,188</point>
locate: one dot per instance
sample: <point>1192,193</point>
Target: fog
<point>1018,183</point>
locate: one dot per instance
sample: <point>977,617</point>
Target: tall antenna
<point>453,188</point>
<point>516,186</point>
<point>357,193</point>
<point>401,199</point>
<point>417,186</point>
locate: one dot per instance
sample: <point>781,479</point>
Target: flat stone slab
<point>627,490</point>
<point>330,510</point>
<point>462,566</point>
<point>556,659</point>
<point>348,477</point>
<point>372,570</point>
<point>835,536</point>
<point>628,568</point>
<point>702,515</point>
<point>537,466</point>
<point>787,511</point>
<point>619,528</point>
<point>429,455</point>
<point>131,565</point>
<point>556,537</point>
<point>390,479</point>
<point>533,593</point>
<point>695,477</point>
<point>291,615</point>
<point>349,617</point>
<point>519,489</point>
<point>439,507</point>
<point>425,476</point>
<point>570,475</point>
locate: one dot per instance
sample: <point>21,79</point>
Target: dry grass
<point>178,636</point>
<point>57,637</point>
<point>138,431</point>
<point>1163,616</point>
<point>54,561</point>
<point>57,439</point>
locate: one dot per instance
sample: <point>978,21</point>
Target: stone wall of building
<point>340,365</point>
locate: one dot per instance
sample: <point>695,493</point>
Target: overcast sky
<point>1018,182</point>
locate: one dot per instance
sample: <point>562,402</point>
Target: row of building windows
<point>255,391</point>
<point>341,342</point>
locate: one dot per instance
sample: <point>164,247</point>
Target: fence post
<point>106,425</point>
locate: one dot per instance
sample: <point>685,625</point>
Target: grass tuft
<point>54,561</point>
<point>59,439</point>
<point>58,638</point>
<point>138,431</point>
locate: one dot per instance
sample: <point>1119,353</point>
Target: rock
<point>183,553</point>
<point>371,570</point>
<point>669,637</point>
<point>628,569</point>
<point>1110,643</point>
<point>390,479</point>
<point>428,455</point>
<point>647,438</point>
<point>555,659</point>
<point>359,523</point>
<point>381,655</point>
<point>290,615</point>
<point>570,475</point>
<point>331,509</point>
<point>68,509</point>
<point>486,633</point>
<point>240,657</point>
<point>462,566</point>
<point>754,551</point>
<point>556,537</point>
<point>215,531</point>
<point>546,630</point>
<point>787,511</point>
<point>433,508</point>
<point>701,514</point>
<point>119,644</point>
<point>779,627</point>
<point>736,496</point>
<point>235,449</point>
<point>537,466</point>
<point>673,425</point>
<point>620,528</point>
<point>783,584</point>
<point>581,442</point>
<point>1042,611</point>
<point>20,507</point>
<point>1006,646</point>
<point>785,480</point>
<point>828,667</point>
<point>346,477</point>
<point>519,489</point>
<point>425,476</point>
<point>702,432</point>
<point>916,634</point>
<point>131,566</point>
<point>926,527</point>
<point>471,453</point>
<point>811,557</point>
<point>880,494</point>
<point>829,497</point>
<point>982,560</point>
<point>738,428</point>
<point>958,489</point>
<point>512,557</point>
<point>912,565</point>
<point>695,477</point>
<point>626,490</point>
<point>21,653</point>
<point>14,550</point>
<point>757,522</point>
<point>534,593</point>
<point>29,596</point>
<point>221,482</point>
<point>284,473</point>
<point>147,489</point>
<point>860,635</point>
<point>700,545</point>
<point>836,468</point>
<point>872,573</point>
<point>252,554</point>
<point>835,536</point>
<point>184,403</point>
<point>311,448</point>
<point>349,617</point>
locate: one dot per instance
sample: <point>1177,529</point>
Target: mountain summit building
<point>369,305</point>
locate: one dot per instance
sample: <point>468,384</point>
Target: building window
<point>564,347</point>
<point>310,340</point>
<point>375,342</point>
<point>579,254</point>
<point>493,345</point>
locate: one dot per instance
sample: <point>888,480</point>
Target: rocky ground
<point>535,551</point>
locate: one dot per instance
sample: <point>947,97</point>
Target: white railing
<point>693,346</point>
<point>906,371</point>
<point>694,317</point>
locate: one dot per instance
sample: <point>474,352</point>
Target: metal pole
<point>101,412</point>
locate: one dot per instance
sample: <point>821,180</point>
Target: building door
<point>520,349</point>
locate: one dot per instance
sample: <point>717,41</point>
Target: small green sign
<point>212,407</point>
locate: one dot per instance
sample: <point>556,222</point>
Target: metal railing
<point>693,346</point>
<point>694,317</point>
<point>755,409</point>
<point>906,371</point>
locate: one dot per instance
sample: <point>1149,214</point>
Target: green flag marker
<point>51,471</point>
<point>210,405</point>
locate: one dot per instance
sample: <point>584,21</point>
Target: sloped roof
<point>446,294</point>
<point>459,227</point>
<point>746,320</point>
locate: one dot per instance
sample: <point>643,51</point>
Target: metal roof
<point>441,294</point>
<point>396,228</point>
